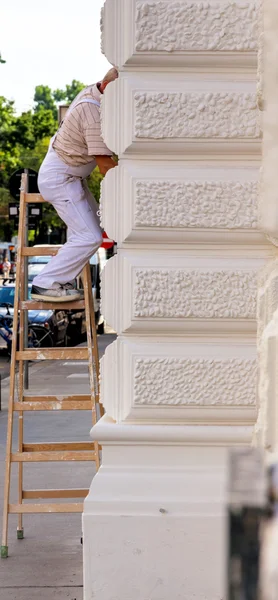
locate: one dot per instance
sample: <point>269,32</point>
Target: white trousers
<point>66,189</point>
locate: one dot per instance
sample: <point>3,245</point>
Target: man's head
<point>110,76</point>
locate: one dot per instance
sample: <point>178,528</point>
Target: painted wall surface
<point>266,426</point>
<point>179,384</point>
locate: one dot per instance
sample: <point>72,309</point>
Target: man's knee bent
<point>93,242</point>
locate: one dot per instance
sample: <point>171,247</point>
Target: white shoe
<point>70,287</point>
<point>61,294</point>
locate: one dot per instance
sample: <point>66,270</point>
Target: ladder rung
<point>40,251</point>
<point>34,305</point>
<point>53,354</point>
<point>66,507</point>
<point>33,198</point>
<point>74,402</point>
<point>53,405</point>
<point>41,494</point>
<point>71,398</point>
<point>57,446</point>
<point>53,456</point>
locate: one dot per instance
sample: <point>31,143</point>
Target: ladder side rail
<point>4,547</point>
<point>93,368</point>
<point>23,342</point>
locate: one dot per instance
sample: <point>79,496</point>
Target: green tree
<point>7,119</point>
<point>31,158</point>
<point>47,99</point>
<point>43,98</point>
<point>6,226</point>
<point>94,183</point>
<point>8,151</point>
<point>22,132</point>
<point>18,132</point>
<point>44,124</point>
<point>69,93</point>
<point>24,140</point>
<point>2,61</point>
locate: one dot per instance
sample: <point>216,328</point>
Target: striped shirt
<point>79,138</point>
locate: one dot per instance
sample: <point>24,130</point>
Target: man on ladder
<point>73,153</point>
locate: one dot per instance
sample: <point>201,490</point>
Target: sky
<point>48,42</point>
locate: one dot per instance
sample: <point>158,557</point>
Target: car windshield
<point>7,295</point>
<point>39,260</point>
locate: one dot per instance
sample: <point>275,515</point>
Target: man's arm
<point>105,163</point>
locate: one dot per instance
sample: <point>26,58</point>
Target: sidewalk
<point>47,564</point>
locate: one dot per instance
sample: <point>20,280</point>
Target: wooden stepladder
<point>20,401</point>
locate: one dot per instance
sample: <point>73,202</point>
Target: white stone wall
<point>179,384</point>
<point>266,426</point>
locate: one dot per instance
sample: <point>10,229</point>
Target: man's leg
<point>75,206</point>
<point>93,203</point>
<point>95,208</point>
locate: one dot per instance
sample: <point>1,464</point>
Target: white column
<point>179,384</point>
<point>267,423</point>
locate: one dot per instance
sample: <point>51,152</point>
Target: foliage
<point>31,158</point>
<point>44,99</point>
<point>94,182</point>
<point>17,132</point>
<point>8,151</point>
<point>5,229</point>
<point>24,141</point>
<point>47,99</point>
<point>69,93</point>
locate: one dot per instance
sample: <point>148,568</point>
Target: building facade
<point>179,384</point>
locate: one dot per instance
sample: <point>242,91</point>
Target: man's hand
<point>105,163</point>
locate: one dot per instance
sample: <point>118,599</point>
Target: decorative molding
<point>266,427</point>
<point>181,381</point>
<point>196,115</point>
<point>194,204</point>
<point>183,34</point>
<point>194,294</point>
<point>101,25</point>
<point>196,26</point>
<point>150,202</point>
<point>260,74</point>
<point>260,55</point>
<point>268,93</point>
<point>267,295</point>
<point>212,435</point>
<point>175,293</point>
<point>217,118</point>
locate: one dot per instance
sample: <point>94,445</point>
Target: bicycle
<point>6,331</point>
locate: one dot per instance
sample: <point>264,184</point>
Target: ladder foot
<point>20,534</point>
<point>4,551</point>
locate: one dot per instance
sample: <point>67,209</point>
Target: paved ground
<point>47,564</point>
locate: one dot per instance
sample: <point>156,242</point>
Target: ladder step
<point>41,494</point>
<point>53,354</point>
<point>40,251</point>
<point>53,405</point>
<point>33,198</point>
<point>74,402</point>
<point>71,398</point>
<point>57,446</point>
<point>34,305</point>
<point>53,456</point>
<point>66,507</point>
